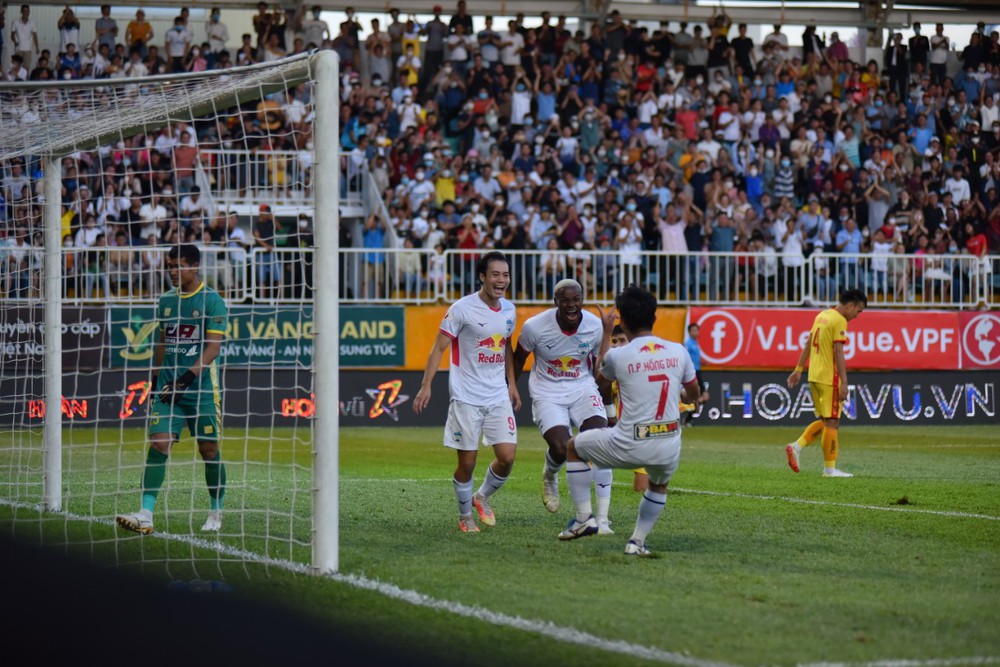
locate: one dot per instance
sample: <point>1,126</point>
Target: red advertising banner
<point>876,340</point>
<point>980,338</point>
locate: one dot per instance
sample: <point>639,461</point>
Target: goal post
<point>326,320</point>
<point>75,445</point>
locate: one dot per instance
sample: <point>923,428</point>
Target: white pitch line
<point>944,662</point>
<point>560,633</point>
<point>805,501</point>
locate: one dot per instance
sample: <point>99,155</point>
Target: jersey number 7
<point>661,405</point>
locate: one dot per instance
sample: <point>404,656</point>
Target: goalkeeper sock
<point>551,467</point>
<point>152,477</point>
<point>463,495</point>
<point>491,484</point>
<point>809,435</point>
<point>830,448</point>
<point>579,477</point>
<point>650,508</point>
<point>603,477</point>
<point>215,478</point>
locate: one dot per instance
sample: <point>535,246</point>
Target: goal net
<point>104,178</point>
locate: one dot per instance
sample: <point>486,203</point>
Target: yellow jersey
<point>828,328</point>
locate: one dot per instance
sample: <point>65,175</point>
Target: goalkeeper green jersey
<point>185,320</point>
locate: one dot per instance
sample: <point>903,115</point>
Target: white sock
<point>650,508</point>
<point>463,494</point>
<point>146,514</point>
<point>603,477</point>
<point>579,477</point>
<point>491,484</point>
<point>551,467</point>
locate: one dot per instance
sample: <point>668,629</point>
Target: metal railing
<point>416,276</point>
<point>272,177</point>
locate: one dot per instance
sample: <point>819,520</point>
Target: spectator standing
<point>265,259</point>
<point>218,36</point>
<point>177,43</point>
<point>436,31</point>
<point>139,33</point>
<point>24,35</point>
<point>314,31</point>
<point>919,47</point>
<point>373,238</point>
<point>897,65</point>
<point>106,28</point>
<point>938,57</point>
<point>69,29</point>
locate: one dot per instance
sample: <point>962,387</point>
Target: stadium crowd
<point>533,136</point>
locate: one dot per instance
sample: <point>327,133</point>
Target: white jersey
<point>564,362</point>
<point>479,338</point>
<point>650,372</point>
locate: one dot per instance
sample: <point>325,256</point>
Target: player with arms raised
<point>566,341</point>
<point>651,373</point>
<point>484,395</point>
<point>185,385</point>
<point>827,379</point>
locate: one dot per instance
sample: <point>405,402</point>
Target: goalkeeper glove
<point>172,390</point>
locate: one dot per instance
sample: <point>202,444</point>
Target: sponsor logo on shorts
<point>655,430</point>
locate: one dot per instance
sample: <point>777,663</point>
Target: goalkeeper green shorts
<point>201,417</point>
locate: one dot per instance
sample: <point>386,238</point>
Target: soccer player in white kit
<point>566,341</point>
<point>650,373</point>
<point>481,383</point>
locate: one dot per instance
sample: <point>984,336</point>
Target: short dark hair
<point>617,331</point>
<point>185,251</point>
<point>853,296</point>
<point>636,308</point>
<point>493,256</point>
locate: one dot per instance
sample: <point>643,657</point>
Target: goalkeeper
<point>185,385</point>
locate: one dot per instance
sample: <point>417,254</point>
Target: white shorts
<point>468,424</point>
<point>570,412</point>
<point>614,447</point>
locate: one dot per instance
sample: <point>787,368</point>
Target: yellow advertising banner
<point>422,323</point>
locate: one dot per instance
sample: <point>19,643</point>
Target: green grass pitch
<point>754,564</point>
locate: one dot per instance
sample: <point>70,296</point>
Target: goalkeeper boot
<point>213,523</point>
<point>467,524</point>
<point>550,492</point>
<point>835,472</point>
<point>137,523</point>
<point>575,529</point>
<point>485,511</point>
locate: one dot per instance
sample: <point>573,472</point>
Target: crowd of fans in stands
<point>535,136</point>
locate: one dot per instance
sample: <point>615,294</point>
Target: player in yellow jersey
<point>827,379</point>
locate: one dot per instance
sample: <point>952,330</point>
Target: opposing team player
<point>652,375</point>
<point>185,385</point>
<point>827,379</point>
<point>566,341</point>
<point>481,382</point>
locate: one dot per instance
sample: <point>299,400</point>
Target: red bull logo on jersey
<point>652,347</point>
<point>496,344</point>
<point>563,367</point>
